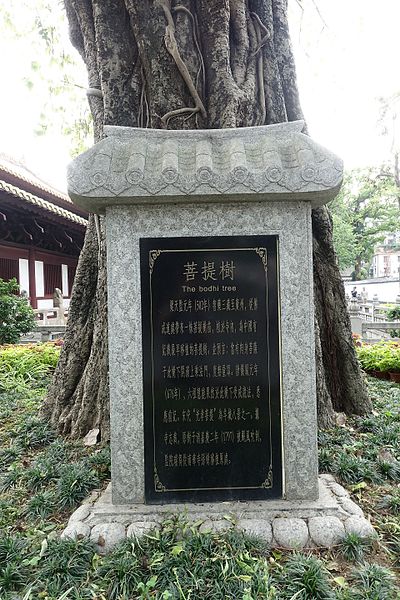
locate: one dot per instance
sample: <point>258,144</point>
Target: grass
<point>43,478</point>
<point>364,455</point>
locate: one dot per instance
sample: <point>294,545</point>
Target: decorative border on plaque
<point>268,483</point>
<point>153,255</point>
<point>262,253</point>
<point>159,487</point>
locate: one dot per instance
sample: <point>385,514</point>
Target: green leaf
<point>152,582</point>
<point>176,550</point>
<point>340,581</point>
<point>359,486</point>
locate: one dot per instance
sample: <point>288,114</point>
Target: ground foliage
<point>44,477</point>
<point>16,314</point>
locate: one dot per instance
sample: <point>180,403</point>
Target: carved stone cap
<point>271,163</point>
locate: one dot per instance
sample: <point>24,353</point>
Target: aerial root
<point>172,47</point>
<point>262,41</point>
<point>177,112</point>
<point>259,26</point>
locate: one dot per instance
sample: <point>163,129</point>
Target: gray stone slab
<point>76,530</point>
<point>291,221</point>
<point>360,526</point>
<point>106,535</point>
<point>258,527</point>
<point>140,528</point>
<point>324,520</point>
<point>290,533</point>
<point>326,504</point>
<point>131,165</point>
<point>326,531</point>
<point>246,181</point>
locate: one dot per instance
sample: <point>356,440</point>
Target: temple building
<point>41,234</point>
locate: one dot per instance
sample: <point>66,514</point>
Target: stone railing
<point>44,333</point>
<point>50,316</point>
<point>380,329</point>
<point>367,311</point>
<point>368,317</point>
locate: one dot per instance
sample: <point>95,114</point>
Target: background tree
<point>188,64</point>
<point>365,211</point>
<point>16,314</point>
<point>54,73</point>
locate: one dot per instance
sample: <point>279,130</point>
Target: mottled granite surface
<point>214,165</point>
<point>280,523</point>
<point>291,221</point>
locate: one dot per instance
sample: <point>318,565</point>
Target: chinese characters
<point>209,272</point>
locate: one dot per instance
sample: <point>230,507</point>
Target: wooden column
<point>32,278</point>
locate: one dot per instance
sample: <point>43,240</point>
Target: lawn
<point>44,477</point>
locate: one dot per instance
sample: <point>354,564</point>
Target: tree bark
<point>189,64</point>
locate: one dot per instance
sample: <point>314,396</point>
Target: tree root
<point>201,69</point>
<point>258,26</point>
<point>177,112</point>
<point>144,105</point>
<point>262,41</point>
<point>172,47</point>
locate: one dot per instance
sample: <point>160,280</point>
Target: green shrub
<point>393,314</point>
<point>13,571</point>
<point>374,582</point>
<point>383,356</point>
<point>41,505</point>
<point>121,571</point>
<point>326,460</point>
<point>76,481</point>
<point>349,468</point>
<point>353,547</point>
<point>65,565</point>
<point>16,315</point>
<point>27,365</point>
<point>34,432</point>
<point>100,461</point>
<point>391,502</point>
<point>305,577</point>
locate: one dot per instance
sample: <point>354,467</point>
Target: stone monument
<point>211,331</point>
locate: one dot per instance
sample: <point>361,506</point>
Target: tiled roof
<point>8,165</point>
<point>43,204</point>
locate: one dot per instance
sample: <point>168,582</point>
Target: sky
<point>345,50</point>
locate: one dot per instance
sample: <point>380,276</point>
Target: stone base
<point>320,523</point>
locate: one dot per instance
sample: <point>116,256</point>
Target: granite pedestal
<point>175,184</point>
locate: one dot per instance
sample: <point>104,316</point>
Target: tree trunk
<point>189,64</point>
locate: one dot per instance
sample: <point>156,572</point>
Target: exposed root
<point>176,113</point>
<point>263,40</point>
<point>258,26</point>
<point>201,70</point>
<point>172,47</point>
<point>143,105</point>
<point>94,92</point>
<point>98,233</point>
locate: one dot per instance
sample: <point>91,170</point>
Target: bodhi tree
<point>188,64</point>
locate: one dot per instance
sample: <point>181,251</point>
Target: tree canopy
<point>364,213</point>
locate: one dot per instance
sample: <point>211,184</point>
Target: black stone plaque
<point>211,368</point>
